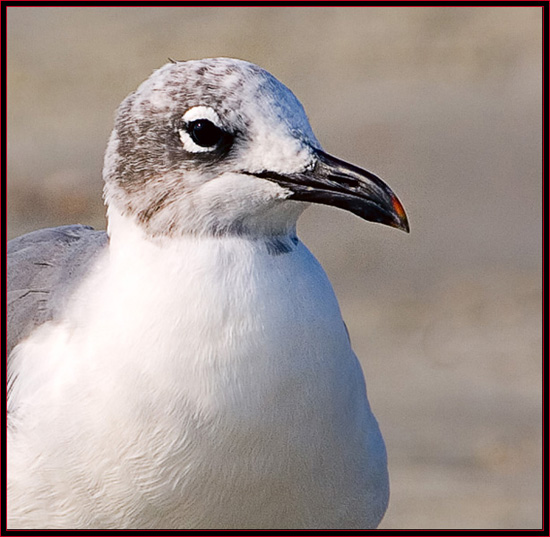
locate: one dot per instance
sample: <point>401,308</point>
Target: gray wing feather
<point>43,268</point>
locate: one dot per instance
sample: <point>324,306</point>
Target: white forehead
<point>245,97</point>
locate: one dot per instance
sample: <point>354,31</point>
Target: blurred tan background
<point>445,105</point>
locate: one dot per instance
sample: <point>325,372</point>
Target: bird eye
<point>204,132</point>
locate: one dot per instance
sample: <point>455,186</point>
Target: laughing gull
<point>189,367</point>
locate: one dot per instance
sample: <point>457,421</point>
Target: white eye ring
<point>193,114</point>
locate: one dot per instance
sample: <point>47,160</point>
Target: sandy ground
<point>445,105</point>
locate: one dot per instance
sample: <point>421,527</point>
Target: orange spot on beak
<point>400,212</point>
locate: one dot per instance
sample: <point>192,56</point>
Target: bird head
<point>221,146</point>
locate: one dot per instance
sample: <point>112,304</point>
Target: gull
<point>189,367</point>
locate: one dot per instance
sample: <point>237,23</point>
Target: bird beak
<point>332,181</point>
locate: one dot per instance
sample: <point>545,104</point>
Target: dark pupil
<point>204,132</point>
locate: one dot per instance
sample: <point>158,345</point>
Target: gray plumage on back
<point>43,268</point>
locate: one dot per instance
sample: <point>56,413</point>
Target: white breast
<point>207,384</point>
